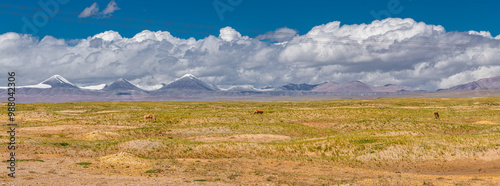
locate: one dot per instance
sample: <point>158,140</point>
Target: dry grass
<point>242,137</point>
<point>293,142</point>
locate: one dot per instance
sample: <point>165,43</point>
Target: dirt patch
<point>107,111</point>
<point>71,112</point>
<point>112,170</point>
<point>466,166</point>
<point>97,135</point>
<point>199,131</point>
<point>140,145</point>
<point>400,133</point>
<point>322,124</point>
<point>243,137</point>
<point>484,122</point>
<point>66,129</point>
<point>413,107</point>
<point>397,158</point>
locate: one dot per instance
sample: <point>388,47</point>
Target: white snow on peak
<point>58,78</point>
<point>94,87</point>
<point>188,76</point>
<point>243,88</point>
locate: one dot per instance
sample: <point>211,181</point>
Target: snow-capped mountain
<point>190,82</point>
<point>189,87</point>
<point>243,88</point>
<point>349,87</point>
<point>121,85</point>
<point>299,87</point>
<point>57,81</point>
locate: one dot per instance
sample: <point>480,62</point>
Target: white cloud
<point>398,51</point>
<point>486,34</point>
<point>229,34</point>
<point>112,7</point>
<point>93,10</point>
<point>281,34</point>
<point>89,11</point>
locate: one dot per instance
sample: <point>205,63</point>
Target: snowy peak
<point>57,81</point>
<point>191,76</point>
<point>121,85</point>
<point>190,82</point>
<point>243,88</point>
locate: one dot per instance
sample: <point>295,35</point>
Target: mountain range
<point>121,85</point>
<point>482,84</point>
<point>189,87</point>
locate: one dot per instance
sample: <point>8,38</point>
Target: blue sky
<point>250,17</point>
<point>424,44</point>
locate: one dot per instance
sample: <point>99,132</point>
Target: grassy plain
<point>366,142</point>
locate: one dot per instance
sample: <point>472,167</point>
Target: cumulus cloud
<point>393,50</point>
<point>280,35</point>
<point>229,34</point>
<point>93,10</point>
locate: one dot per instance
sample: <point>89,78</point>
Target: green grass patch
<point>154,171</point>
<point>62,144</point>
<point>83,163</point>
<point>200,180</point>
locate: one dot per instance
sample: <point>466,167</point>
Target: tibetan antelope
<point>149,116</point>
<point>258,111</point>
<point>436,115</point>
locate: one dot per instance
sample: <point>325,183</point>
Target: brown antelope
<point>258,111</point>
<point>149,116</point>
<point>436,115</point>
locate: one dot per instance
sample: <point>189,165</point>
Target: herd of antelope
<point>258,111</point>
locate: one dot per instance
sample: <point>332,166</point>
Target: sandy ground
<point>123,168</point>
<point>126,169</point>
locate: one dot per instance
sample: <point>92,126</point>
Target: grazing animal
<point>149,116</point>
<point>436,115</point>
<point>258,111</point>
